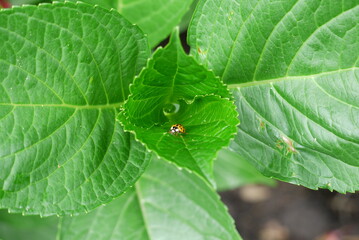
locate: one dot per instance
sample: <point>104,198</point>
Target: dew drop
<point>171,108</point>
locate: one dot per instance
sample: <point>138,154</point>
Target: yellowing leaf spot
<point>286,144</point>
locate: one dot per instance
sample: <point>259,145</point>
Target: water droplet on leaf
<point>171,108</point>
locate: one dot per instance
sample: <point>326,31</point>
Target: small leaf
<point>65,71</point>
<point>199,102</point>
<point>293,66</point>
<point>141,214</point>
<point>232,171</point>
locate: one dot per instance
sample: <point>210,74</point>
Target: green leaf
<point>174,89</point>
<point>186,19</point>
<point>65,70</point>
<point>156,18</point>
<point>120,219</point>
<point>166,204</point>
<point>293,66</point>
<point>16,226</point>
<point>232,170</point>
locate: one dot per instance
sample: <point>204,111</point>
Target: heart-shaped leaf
<point>174,89</point>
<point>293,66</point>
<point>65,71</point>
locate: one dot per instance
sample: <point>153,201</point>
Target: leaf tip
<point>174,37</point>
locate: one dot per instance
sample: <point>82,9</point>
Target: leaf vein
<point>311,35</point>
<point>312,120</point>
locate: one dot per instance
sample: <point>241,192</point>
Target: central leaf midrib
<point>288,78</point>
<point>103,106</point>
<point>169,98</point>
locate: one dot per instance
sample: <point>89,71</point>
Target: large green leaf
<point>65,70</point>
<point>293,67</point>
<point>231,170</point>
<point>120,219</point>
<point>174,89</point>
<point>166,203</point>
<point>156,18</point>
<point>18,227</point>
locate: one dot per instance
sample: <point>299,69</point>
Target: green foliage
<point>72,125</point>
<point>200,103</point>
<point>164,202</point>
<point>62,81</point>
<point>156,18</point>
<point>293,68</point>
<point>231,170</point>
<point>16,226</point>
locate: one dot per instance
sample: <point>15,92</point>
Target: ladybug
<point>177,129</point>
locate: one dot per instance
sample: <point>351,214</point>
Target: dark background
<point>290,212</point>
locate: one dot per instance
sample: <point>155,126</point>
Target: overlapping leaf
<point>156,18</point>
<point>65,71</point>
<point>165,203</point>
<point>199,102</point>
<point>294,69</point>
